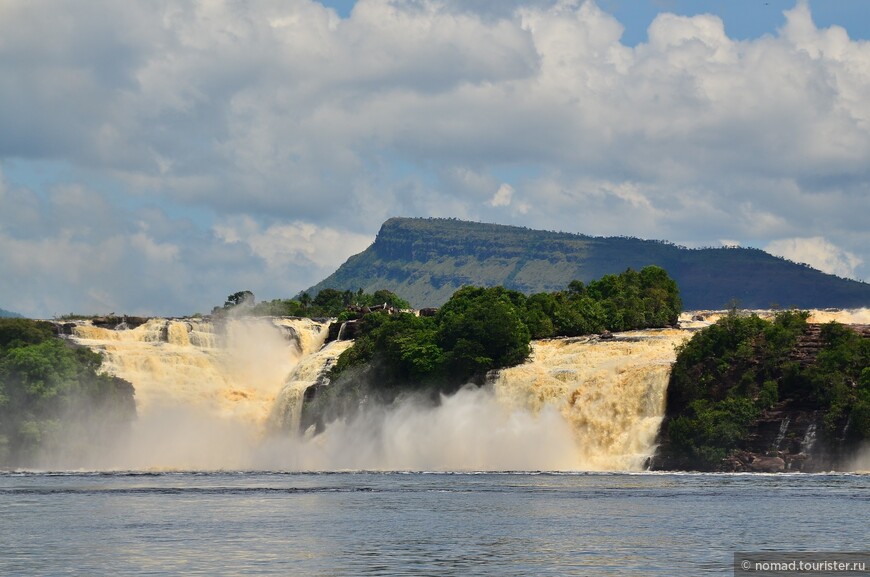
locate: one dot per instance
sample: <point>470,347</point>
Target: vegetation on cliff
<point>729,374</point>
<point>427,260</point>
<point>52,395</point>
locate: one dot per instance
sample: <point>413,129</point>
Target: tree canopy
<point>480,329</point>
<point>52,395</point>
<point>732,371</point>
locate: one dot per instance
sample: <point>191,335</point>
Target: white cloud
<point>297,243</point>
<point>502,196</point>
<point>297,132</point>
<point>817,252</point>
<point>72,250</point>
<point>152,250</point>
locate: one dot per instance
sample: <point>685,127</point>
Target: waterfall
<point>845,434</point>
<point>207,390</point>
<point>809,439</point>
<point>231,369</point>
<point>611,392</point>
<point>310,371</point>
<point>783,429</point>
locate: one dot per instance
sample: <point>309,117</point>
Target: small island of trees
<point>481,329</point>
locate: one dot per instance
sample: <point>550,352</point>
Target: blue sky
<point>157,157</point>
<point>743,18</point>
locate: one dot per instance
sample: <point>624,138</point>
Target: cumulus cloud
<point>297,243</point>
<point>818,253</point>
<point>71,250</point>
<point>296,133</point>
<point>502,196</point>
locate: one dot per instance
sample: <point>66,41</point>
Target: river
<point>389,523</point>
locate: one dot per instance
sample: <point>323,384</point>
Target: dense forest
<point>53,396</point>
<point>480,329</point>
<point>729,375</point>
<point>426,260</point>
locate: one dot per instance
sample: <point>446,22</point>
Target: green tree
<point>662,303</point>
<point>383,296</point>
<point>538,315</point>
<point>305,300</point>
<point>19,332</point>
<point>245,298</point>
<point>711,430</point>
<point>51,393</point>
<point>482,329</point>
<point>329,302</point>
<point>730,372</point>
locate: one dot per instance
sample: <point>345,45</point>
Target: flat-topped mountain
<point>426,260</point>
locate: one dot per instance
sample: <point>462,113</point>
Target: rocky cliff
<point>804,411</point>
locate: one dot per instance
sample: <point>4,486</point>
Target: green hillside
<point>425,260</point>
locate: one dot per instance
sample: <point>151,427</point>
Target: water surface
<point>327,524</point>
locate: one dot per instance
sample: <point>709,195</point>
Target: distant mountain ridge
<point>425,260</point>
<point>9,314</point>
